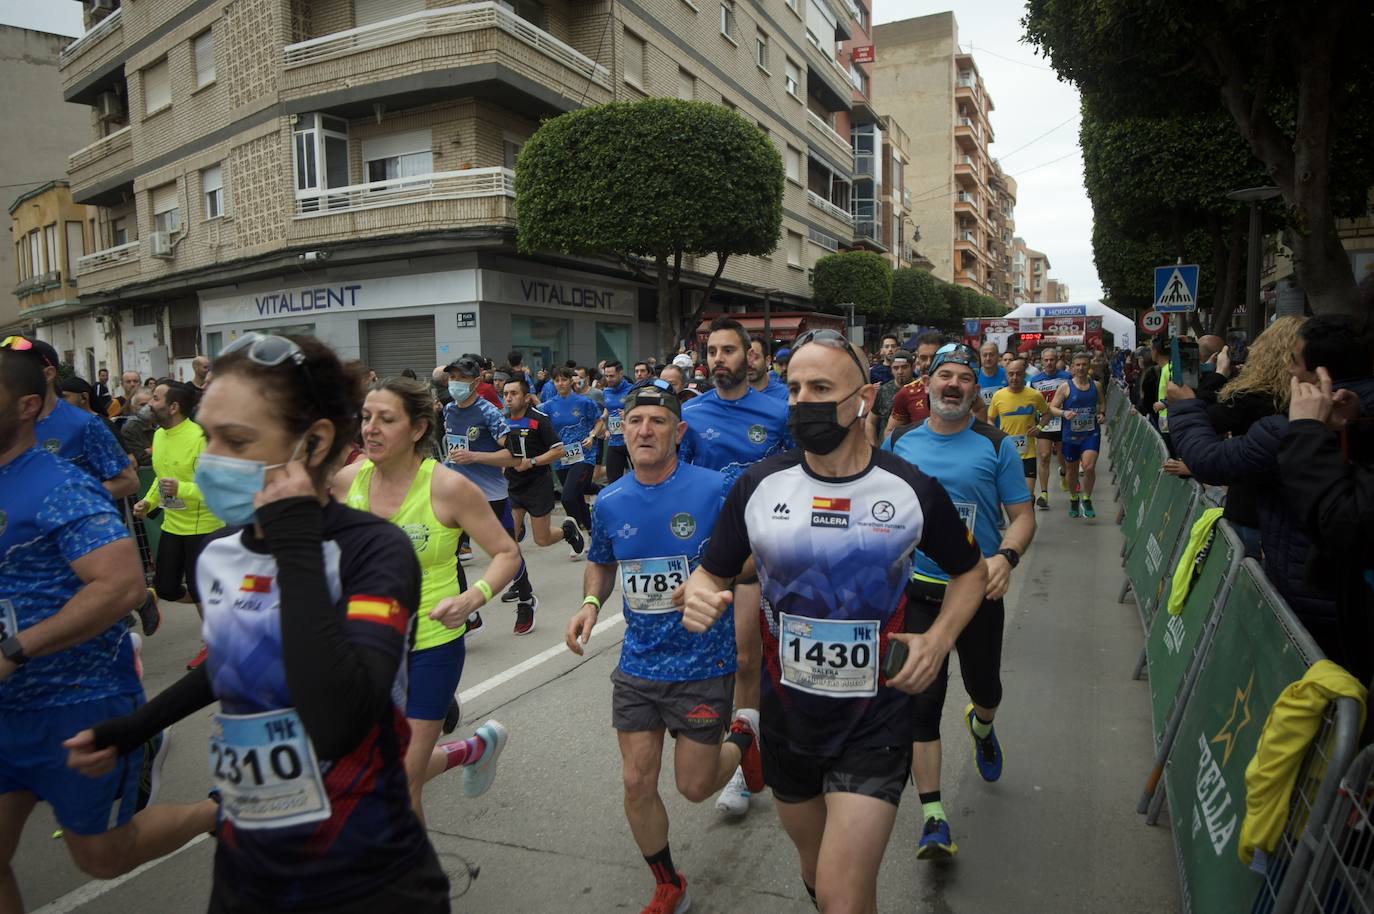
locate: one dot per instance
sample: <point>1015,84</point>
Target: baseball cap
<point>76,386</point>
<point>683,360</point>
<point>47,355</point>
<point>782,355</point>
<point>466,366</point>
<point>653,392</point>
<point>901,355</point>
<point>956,353</point>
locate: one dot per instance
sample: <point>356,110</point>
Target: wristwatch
<point>13,651</point>
<point>1011,555</point>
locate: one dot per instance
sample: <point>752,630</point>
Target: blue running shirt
<point>990,384</point>
<point>775,389</point>
<point>53,514</point>
<point>615,411</point>
<point>573,417</point>
<point>672,519</point>
<point>1047,384</point>
<point>477,427</point>
<point>979,467</point>
<point>83,439</point>
<point>1084,404</point>
<point>731,435</point>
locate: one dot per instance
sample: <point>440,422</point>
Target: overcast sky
<point>1053,213</point>
<point>61,17</point>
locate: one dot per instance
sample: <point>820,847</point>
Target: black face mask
<point>816,428</point>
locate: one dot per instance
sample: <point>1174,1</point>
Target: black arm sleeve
<point>340,689</point>
<point>178,701</point>
<point>729,547</point>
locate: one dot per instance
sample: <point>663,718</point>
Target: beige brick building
<point>345,167</point>
<point>924,79</point>
<point>1030,274</point>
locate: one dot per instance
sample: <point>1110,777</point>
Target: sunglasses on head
<point>269,350</point>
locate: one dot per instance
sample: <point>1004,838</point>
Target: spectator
<point>881,371</point>
<point>119,406</point>
<point>780,363</point>
<point>200,373</point>
<point>136,434</point>
<point>516,360</point>
<point>409,373</point>
<point>675,376</point>
<point>1290,562</point>
<point>1150,397</point>
<point>641,371</point>
<point>101,399</point>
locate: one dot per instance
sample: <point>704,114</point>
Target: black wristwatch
<point>1011,555</point>
<point>13,651</point>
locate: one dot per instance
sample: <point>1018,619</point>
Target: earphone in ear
<point>310,444</point>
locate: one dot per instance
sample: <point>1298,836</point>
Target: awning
<point>782,328</point>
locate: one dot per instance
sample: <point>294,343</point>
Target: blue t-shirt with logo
<point>989,384</point>
<point>83,439</point>
<point>732,435</point>
<point>979,467</point>
<point>775,389</point>
<point>52,515</point>
<point>477,427</point>
<point>573,418</point>
<point>615,411</point>
<point>657,535</point>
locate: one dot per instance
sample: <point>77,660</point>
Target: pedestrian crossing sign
<point>1176,288</point>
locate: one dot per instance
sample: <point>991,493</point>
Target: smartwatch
<point>13,651</point>
<point>1011,555</point>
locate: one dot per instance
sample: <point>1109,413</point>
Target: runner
<point>579,421</point>
<point>1080,401</point>
<point>475,445</point>
<point>730,428</point>
<point>308,608</point>
<point>881,372</point>
<point>667,678</point>
<point>831,527</point>
<point>760,378</point>
<point>912,404</point>
<point>981,470</point>
<point>1017,409</point>
<point>613,389</point>
<point>432,504</point>
<point>534,439</point>
<point>876,422</point>
<point>1050,434</point>
<point>69,574</point>
<point>992,377</point>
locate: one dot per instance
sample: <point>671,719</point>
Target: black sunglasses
<point>833,339</point>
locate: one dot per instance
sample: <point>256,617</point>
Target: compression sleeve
<point>178,701</point>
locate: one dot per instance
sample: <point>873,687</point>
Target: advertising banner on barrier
<point>1167,513</point>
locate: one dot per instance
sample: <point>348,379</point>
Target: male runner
<point>760,378</point>
<point>651,527</point>
<point>533,438</point>
<point>831,527</point>
<point>876,422</point>
<point>614,387</point>
<point>1049,436</point>
<point>992,377</point>
<point>578,421</point>
<point>980,468</point>
<point>1081,403</point>
<point>730,428</point>
<point>881,373</point>
<point>475,445</point>
<point>911,404</point>
<point>1017,409</point>
<point>641,371</point>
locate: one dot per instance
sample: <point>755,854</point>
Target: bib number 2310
<point>266,771</point>
<point>834,658</point>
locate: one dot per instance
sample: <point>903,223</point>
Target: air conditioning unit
<point>108,107</point>
<point>160,245</point>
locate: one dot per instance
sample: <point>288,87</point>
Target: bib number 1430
<point>834,658</point>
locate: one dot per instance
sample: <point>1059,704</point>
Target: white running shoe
<point>734,799</point>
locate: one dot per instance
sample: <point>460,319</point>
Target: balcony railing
<point>965,197</point>
<point>120,253</point>
<point>829,133</point>
<point>445,185</point>
<point>40,283</point>
<point>99,31</point>
<point>469,17</point>
<point>100,149</point>
<point>864,165</point>
<point>828,208</point>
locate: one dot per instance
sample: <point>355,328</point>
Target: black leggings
<point>980,656</point>
<point>174,575</point>
<point>576,480</point>
<point>617,461</point>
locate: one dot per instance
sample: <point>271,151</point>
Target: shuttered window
<point>397,343</point>
<point>369,12</point>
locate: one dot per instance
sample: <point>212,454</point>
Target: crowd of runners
<point>799,537</point>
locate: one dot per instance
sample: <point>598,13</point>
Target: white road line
<point>85,894</point>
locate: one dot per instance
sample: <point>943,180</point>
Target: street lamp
<point>1254,311</point>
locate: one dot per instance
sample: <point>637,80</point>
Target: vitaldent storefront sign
<point>574,294</point>
<point>233,304</point>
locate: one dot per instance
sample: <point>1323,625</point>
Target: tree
<point>862,278</point>
<point>1288,74</point>
<point>917,298</point>
<point>658,179</point>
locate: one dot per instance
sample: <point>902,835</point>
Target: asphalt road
<point>1057,834</point>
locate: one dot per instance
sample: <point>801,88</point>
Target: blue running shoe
<point>1087,505</point>
<point>987,752</point>
<point>1073,506</point>
<point>478,776</point>
<point>936,843</point>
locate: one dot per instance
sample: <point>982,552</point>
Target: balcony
<point>864,166</point>
<point>966,171</point>
<point>108,268</point>
<point>92,58</point>
<point>967,133</point>
<point>481,48</point>
<point>830,209</point>
<point>100,167</point>
<point>40,283</point>
<point>835,143</point>
<point>834,86</point>
<point>965,202</point>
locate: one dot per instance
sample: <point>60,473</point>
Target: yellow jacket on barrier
<point>1183,574</point>
<point>1288,731</point>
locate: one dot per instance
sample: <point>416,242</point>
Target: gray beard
<point>952,414</point>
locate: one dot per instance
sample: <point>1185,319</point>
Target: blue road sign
<point>1176,288</point>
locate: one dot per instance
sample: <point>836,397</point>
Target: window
<point>166,209</point>
<point>119,231</point>
<point>794,249</point>
<point>512,146</point>
<point>157,87</point>
<point>727,19</point>
<point>686,85</point>
<point>761,50</point>
<point>20,267</point>
<point>203,52</point>
<point>50,247</point>
<point>35,254</point>
<point>212,186</point>
<point>792,5</point>
<point>792,160</point>
<point>859,78</point>
<point>398,155</point>
<point>634,59</point>
<point>318,138</point>
<point>792,78</point>
<point>76,246</point>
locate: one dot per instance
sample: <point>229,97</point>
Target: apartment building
<point>1056,291</point>
<point>346,167</point>
<point>1001,206</point>
<point>933,88</point>
<point>1030,273</point>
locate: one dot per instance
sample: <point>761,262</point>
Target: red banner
<point>862,54</point>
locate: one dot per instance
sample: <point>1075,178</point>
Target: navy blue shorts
<point>1073,450</point>
<point>32,759</point>
<point>433,678</point>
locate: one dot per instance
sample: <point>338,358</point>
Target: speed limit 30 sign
<point>1152,322</point>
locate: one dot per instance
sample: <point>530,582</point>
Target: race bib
<point>174,504</point>
<point>265,768</point>
<point>967,513</point>
<point>456,442</point>
<point>9,619</point>
<point>1052,425</point>
<point>832,658</point>
<point>1080,424</point>
<point>987,394</point>
<point>572,454</point>
<point>648,584</point>
<point>1163,423</point>
<point>613,425</point>
<point>1020,442</point>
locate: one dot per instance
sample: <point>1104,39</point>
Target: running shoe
<point>475,624</point>
<point>734,799</point>
<point>1063,482</point>
<point>1073,507</point>
<point>149,615</point>
<point>465,554</point>
<point>573,537</point>
<point>511,595</point>
<point>453,716</point>
<point>747,721</point>
<point>936,843</point>
<point>150,773</point>
<point>669,899</point>
<point>478,776</point>
<point>1043,502</point>
<point>1088,508</point>
<point>987,751</point>
<point>199,658</point>
<point>524,616</point>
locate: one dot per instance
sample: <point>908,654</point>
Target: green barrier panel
<point>1140,479</point>
<point>1134,439</point>
<point>1257,650</point>
<point>152,526</point>
<point>1150,558</point>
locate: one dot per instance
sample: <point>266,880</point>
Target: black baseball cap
<point>46,355</point>
<point>653,392</point>
<point>76,386</point>
<point>466,366</point>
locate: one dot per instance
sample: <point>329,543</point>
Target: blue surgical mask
<point>459,390</point>
<point>229,484</point>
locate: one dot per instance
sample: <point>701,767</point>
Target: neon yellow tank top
<point>436,546</point>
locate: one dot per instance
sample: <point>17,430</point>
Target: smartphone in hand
<point>894,658</point>
<point>1186,364</point>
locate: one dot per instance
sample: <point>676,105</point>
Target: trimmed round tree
<point>652,180</point>
<point>861,277</point>
<point>917,298</point>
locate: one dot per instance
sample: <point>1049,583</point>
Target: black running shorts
<point>795,777</point>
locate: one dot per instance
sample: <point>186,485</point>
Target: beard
<point>725,379</point>
<point>950,412</point>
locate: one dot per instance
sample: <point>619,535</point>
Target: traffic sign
<point>1152,322</point>
<point>1176,288</point>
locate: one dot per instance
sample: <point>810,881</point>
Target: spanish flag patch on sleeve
<point>381,610</point>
